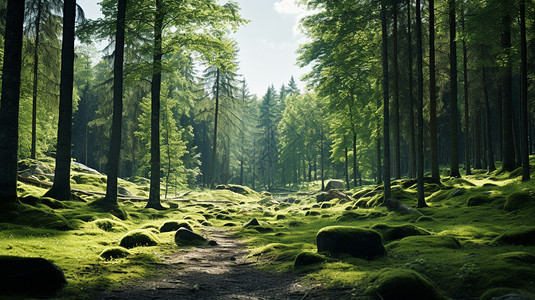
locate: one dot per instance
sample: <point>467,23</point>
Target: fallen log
<point>395,205</point>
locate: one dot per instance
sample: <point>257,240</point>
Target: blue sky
<point>268,44</point>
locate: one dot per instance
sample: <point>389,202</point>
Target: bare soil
<point>212,272</point>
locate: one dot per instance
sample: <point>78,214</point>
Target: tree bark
<point>214,143</point>
<point>395,104</point>
<point>454,118</point>
<point>466,107</point>
<point>508,163</point>
<point>420,103</point>
<point>435,171</point>
<point>386,99</point>
<point>9,102</point>
<point>154,189</point>
<point>35,80</point>
<point>412,145</point>
<point>524,93</point>
<point>116,128</point>
<point>490,154</point>
<point>61,189</point>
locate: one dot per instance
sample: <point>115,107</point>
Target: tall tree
<point>395,104</point>
<point>115,144</point>
<point>419,105</point>
<point>386,99</point>
<point>412,144</point>
<point>61,188</point>
<point>435,172</point>
<point>466,106</point>
<point>490,153</point>
<point>454,118</point>
<point>216,116</point>
<point>524,92</point>
<point>9,102</point>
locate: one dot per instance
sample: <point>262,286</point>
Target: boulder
<point>518,200</point>
<point>252,222</point>
<point>37,277</point>
<point>357,242</point>
<point>123,191</point>
<point>404,284</point>
<point>478,200</point>
<point>308,258</point>
<point>113,253</point>
<point>335,184</point>
<point>324,196</point>
<point>524,237</point>
<point>186,237</point>
<point>138,238</point>
<point>174,226</point>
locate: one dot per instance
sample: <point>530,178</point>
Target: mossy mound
<point>239,189</point>
<point>390,233</point>
<point>419,243</point>
<point>173,225</point>
<point>478,200</point>
<point>138,238</point>
<point>278,252</point>
<point>186,237</point>
<point>518,200</point>
<point>308,258</point>
<point>30,216</point>
<point>348,216</point>
<point>110,225</point>
<point>357,242</point>
<point>502,293</point>
<point>397,193</point>
<point>425,219</point>
<point>517,257</point>
<point>113,253</point>
<point>36,277</point>
<point>524,236</point>
<point>401,284</point>
<point>312,213</point>
<point>252,222</point>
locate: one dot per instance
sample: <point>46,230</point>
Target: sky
<point>267,44</point>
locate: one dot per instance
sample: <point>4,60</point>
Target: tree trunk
<point>355,170</point>
<point>154,190</point>
<point>466,109</point>
<point>116,128</point>
<point>412,145</point>
<point>435,171</point>
<point>9,103</point>
<point>524,93</point>
<point>346,167</point>
<point>395,115</point>
<point>420,103</point>
<point>490,154</point>
<point>214,143</point>
<point>61,189</point>
<point>477,135</point>
<point>508,163</point>
<point>35,81</point>
<point>322,164</point>
<point>454,118</point>
<point>386,99</point>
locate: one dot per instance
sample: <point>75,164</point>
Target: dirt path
<point>214,272</point>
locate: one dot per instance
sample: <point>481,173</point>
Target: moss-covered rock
<point>400,284</point>
<point>110,225</point>
<point>396,232</point>
<point>113,253</point>
<point>138,238</point>
<point>312,213</point>
<point>525,236</point>
<point>308,258</point>
<point>518,257</point>
<point>186,237</point>
<point>326,205</point>
<point>357,242</point>
<point>478,200</point>
<point>252,222</point>
<point>335,184</point>
<point>348,216</point>
<point>174,225</point>
<point>505,293</point>
<point>518,200</point>
<point>32,276</point>
<point>413,244</point>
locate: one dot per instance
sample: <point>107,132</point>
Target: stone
<point>186,237</point>
<point>357,242</point>
<point>174,226</point>
<point>113,253</point>
<point>37,277</point>
<point>138,238</point>
<point>252,222</point>
<point>123,191</point>
<point>323,196</point>
<point>308,258</point>
<point>335,184</point>
<point>518,200</point>
<point>405,284</point>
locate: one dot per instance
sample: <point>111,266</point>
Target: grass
<point>466,251</point>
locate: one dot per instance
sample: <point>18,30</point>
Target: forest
<point>401,171</point>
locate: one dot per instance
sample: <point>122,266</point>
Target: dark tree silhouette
<point>454,118</point>
<point>420,105</point>
<point>508,163</point>
<point>61,189</point>
<point>435,172</point>
<point>395,104</point>
<point>524,93</point>
<point>9,102</point>
<point>386,99</point>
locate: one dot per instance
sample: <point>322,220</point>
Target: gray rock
<point>335,184</point>
<point>323,196</point>
<point>30,276</point>
<point>84,169</point>
<point>186,237</point>
<point>123,191</point>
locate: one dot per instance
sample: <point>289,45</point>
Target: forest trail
<point>211,272</point>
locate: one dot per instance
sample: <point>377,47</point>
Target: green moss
<point>404,284</point>
<point>113,253</point>
<point>397,232</point>
<point>308,258</point>
<point>278,252</point>
<point>517,257</point>
<point>413,244</point>
<point>174,225</point>
<point>478,200</point>
<point>110,225</point>
<point>518,200</point>
<point>425,219</point>
<point>349,216</point>
<point>501,291</point>
<point>138,238</point>
<point>357,242</point>
<point>524,236</point>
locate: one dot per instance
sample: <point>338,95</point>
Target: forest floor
<point>222,271</point>
<point>475,241</point>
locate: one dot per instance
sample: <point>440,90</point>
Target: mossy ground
<point>460,256</point>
